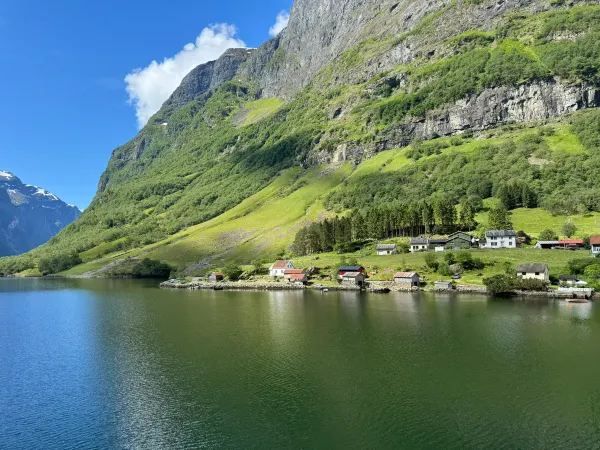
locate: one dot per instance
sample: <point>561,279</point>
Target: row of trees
<point>440,215</point>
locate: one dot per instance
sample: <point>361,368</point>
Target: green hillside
<point>232,176</point>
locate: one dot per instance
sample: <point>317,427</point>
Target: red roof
<point>297,276</point>
<point>281,264</point>
<point>572,242</point>
<point>595,240</point>
<point>294,272</point>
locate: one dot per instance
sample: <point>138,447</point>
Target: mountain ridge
<point>29,215</point>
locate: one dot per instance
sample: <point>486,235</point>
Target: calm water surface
<point>100,364</point>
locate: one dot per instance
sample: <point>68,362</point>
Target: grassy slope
<point>258,110</point>
<point>264,225</point>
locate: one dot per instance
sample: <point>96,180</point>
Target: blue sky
<point>64,100</point>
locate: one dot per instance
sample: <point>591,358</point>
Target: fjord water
<point>101,364</point>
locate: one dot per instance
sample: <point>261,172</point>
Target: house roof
<point>294,272</point>
<point>532,268</point>
<point>351,269</point>
<point>406,275</point>
<point>438,241</point>
<point>281,264</point>
<point>548,242</point>
<point>352,274</point>
<point>572,242</point>
<point>595,240</point>
<point>386,247</point>
<point>500,233</point>
<point>568,278</point>
<point>419,241</point>
<point>297,276</point>
<point>460,234</point>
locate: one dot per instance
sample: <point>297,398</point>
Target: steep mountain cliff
<point>29,215</point>
<point>440,81</point>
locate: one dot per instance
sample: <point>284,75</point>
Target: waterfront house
<point>595,245</point>
<point>547,245</point>
<point>278,269</point>
<point>216,277</point>
<point>443,286</point>
<point>296,276</point>
<point>495,239</point>
<point>459,241</point>
<point>352,279</point>
<point>407,280</point>
<point>419,244</point>
<point>387,249</point>
<point>533,271</point>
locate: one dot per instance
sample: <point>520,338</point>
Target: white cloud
<point>151,86</point>
<point>280,23</point>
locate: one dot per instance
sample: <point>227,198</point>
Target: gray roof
<point>532,268</point>
<point>500,233</point>
<point>386,247</point>
<point>419,241</point>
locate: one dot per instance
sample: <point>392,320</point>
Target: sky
<point>78,78</point>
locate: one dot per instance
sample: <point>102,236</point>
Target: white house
<point>278,269</point>
<point>386,249</point>
<point>533,272</point>
<point>500,239</point>
<point>595,244</point>
<point>419,244</point>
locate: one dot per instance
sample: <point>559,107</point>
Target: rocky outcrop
<point>209,76</point>
<point>498,106</point>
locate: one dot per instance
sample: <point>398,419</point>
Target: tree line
<point>439,215</point>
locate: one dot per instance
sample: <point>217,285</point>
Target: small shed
<point>353,279</point>
<point>216,277</point>
<point>595,245</point>
<point>387,249</point>
<point>419,244</point>
<point>407,280</point>
<point>443,286</point>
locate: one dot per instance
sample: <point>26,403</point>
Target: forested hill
<point>357,104</point>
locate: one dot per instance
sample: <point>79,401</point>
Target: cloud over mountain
<point>281,21</point>
<point>149,87</point>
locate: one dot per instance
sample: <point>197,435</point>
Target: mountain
<point>357,105</point>
<point>29,215</point>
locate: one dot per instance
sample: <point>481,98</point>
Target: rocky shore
<point>373,287</point>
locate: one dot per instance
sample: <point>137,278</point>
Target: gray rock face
<point>493,107</point>
<point>209,76</point>
<point>29,215</point>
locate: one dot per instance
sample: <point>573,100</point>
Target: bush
<point>432,262</point>
<point>233,272</point>
<point>58,263</point>
<point>149,268</point>
<point>578,266</point>
<point>592,272</point>
<point>548,235</point>
<point>500,284</point>
<point>532,285</point>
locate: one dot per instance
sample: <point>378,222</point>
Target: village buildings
<point>595,245</point>
<point>278,269</point>
<point>387,249</point>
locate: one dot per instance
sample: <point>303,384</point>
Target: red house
<point>572,244</point>
<point>295,276</point>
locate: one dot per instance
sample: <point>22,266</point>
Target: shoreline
<point>374,287</point>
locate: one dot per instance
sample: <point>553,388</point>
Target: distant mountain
<point>29,215</point>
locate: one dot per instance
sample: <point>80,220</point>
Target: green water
<point>100,364</point>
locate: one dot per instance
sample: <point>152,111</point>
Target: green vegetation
<point>231,177</point>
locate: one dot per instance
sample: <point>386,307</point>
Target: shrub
<point>149,268</point>
<point>500,284</point>
<point>233,272</point>
<point>578,266</point>
<point>58,263</point>
<point>532,285</point>
<point>548,235</point>
<point>432,262</point>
